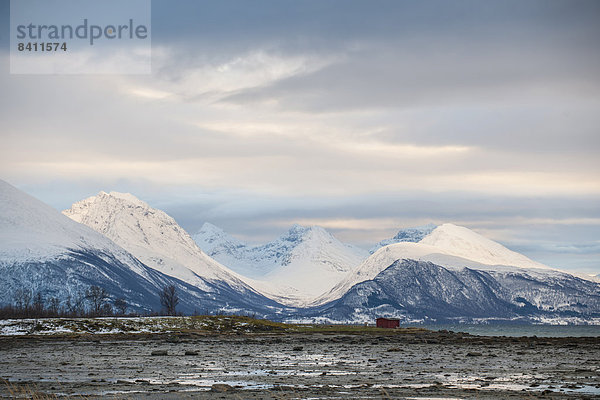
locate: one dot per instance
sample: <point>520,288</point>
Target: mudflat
<point>417,365</point>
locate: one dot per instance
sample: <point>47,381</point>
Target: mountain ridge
<point>283,267</point>
<point>150,234</point>
<point>449,245</point>
<point>424,291</point>
<point>45,252</point>
<point>134,250</point>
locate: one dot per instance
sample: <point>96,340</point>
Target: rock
<point>474,354</point>
<point>221,387</point>
<point>298,348</point>
<point>393,349</point>
<point>159,353</point>
<point>191,353</point>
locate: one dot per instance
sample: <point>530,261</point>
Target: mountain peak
<point>298,229</point>
<point>32,228</point>
<point>306,259</point>
<point>127,197</point>
<point>299,233</point>
<point>413,234</point>
<point>462,242</point>
<point>208,227</point>
<point>214,240</point>
<point>150,234</point>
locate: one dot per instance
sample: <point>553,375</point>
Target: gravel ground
<point>301,366</point>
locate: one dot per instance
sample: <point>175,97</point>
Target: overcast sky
<point>359,116</point>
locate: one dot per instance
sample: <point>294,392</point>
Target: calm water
<point>520,330</point>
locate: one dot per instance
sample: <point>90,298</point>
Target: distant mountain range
<point>296,267</point>
<point>118,242</point>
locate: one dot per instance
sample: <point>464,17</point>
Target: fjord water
<point>517,330</point>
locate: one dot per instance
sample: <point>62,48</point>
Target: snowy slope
<point>463,242</point>
<point>43,251</point>
<point>298,266</point>
<point>153,237</point>
<point>32,231</point>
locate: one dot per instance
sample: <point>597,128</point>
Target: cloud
<point>437,71</point>
<point>363,118</point>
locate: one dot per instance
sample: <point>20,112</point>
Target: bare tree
<point>22,299</point>
<point>54,305</point>
<point>74,305</point>
<point>38,303</point>
<point>169,299</point>
<point>121,306</point>
<point>106,309</point>
<point>97,298</point>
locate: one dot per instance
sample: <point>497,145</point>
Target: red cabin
<point>388,323</point>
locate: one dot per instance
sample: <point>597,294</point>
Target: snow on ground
<point>123,325</point>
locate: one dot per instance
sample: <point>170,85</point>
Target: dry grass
<point>17,391</point>
<point>172,325</point>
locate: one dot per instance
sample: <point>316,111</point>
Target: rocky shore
<point>419,364</point>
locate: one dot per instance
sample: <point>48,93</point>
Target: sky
<point>359,116</point>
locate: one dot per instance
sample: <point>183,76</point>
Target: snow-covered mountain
<point>232,252</point>
<point>463,242</point>
<point>447,245</point>
<point>151,235</point>
<point>156,239</point>
<point>452,264</point>
<point>43,251</point>
<point>420,290</point>
<point>298,266</point>
<point>414,235</point>
<point>133,251</point>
